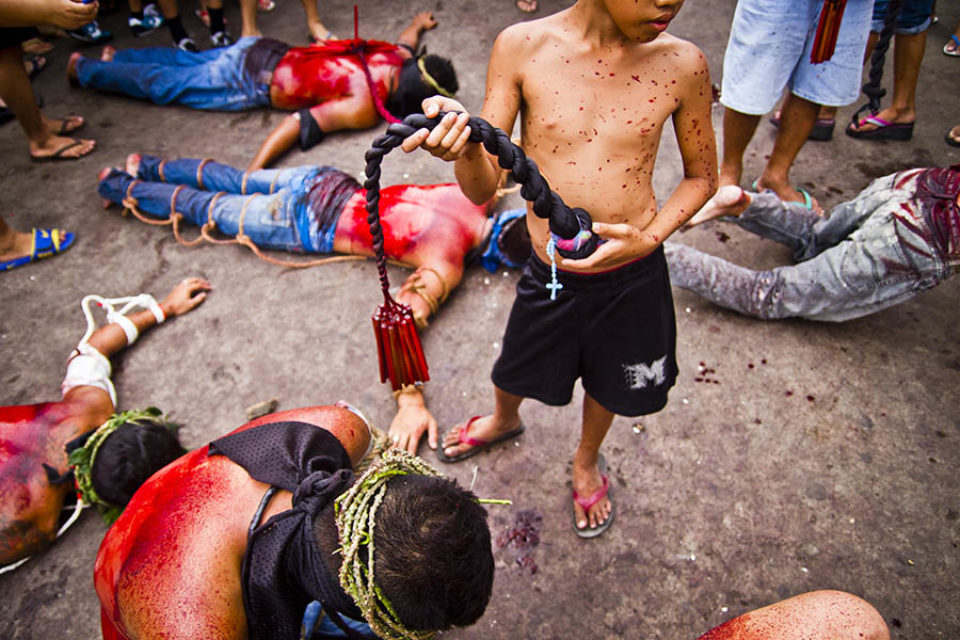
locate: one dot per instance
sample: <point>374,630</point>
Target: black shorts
<point>616,331</point>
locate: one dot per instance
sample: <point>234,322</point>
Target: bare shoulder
<point>689,61</point>
<point>523,38</point>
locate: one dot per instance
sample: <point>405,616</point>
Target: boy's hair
<point>433,559</point>
<point>413,89</point>
<point>129,456</point>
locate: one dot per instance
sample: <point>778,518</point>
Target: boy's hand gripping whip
<point>398,345</point>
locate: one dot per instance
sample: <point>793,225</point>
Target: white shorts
<point>769,49</point>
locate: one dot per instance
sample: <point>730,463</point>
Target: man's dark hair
<point>129,456</point>
<point>514,241</point>
<point>412,89</point>
<point>433,556</point>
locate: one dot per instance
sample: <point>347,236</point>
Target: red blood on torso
<point>307,76</point>
<point>437,219</point>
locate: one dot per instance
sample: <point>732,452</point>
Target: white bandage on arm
<point>88,367</point>
<point>127,325</point>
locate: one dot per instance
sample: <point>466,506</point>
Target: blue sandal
<point>46,243</point>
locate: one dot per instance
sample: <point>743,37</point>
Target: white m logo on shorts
<point>638,375</point>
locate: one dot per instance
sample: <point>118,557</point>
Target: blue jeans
<point>212,79</point>
<point>872,252</point>
<point>914,16</point>
<point>275,216</point>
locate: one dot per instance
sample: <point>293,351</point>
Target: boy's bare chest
<point>596,99</point>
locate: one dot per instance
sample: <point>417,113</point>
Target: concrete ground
<point>825,456</point>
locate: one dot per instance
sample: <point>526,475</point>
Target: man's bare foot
<point>729,200</point>
<point>890,114</point>
<point>61,148</point>
<point>587,481</point>
<point>788,193</point>
<point>480,430</point>
<point>103,173</point>
<point>527,6</point>
<point>72,68</point>
<point>133,164</point>
<point>107,54</point>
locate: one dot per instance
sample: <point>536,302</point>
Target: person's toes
<point>107,54</point>
<point>133,164</point>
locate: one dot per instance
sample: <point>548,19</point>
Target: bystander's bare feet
<point>72,68</point>
<point>61,148</point>
<point>788,193</point>
<point>484,429</point>
<point>729,200</point>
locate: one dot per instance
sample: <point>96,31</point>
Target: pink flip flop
<point>477,444</point>
<point>589,501</point>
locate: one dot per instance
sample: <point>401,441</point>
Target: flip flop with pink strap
<point>477,444</point>
<point>589,501</point>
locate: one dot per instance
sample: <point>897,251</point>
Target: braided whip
<point>872,88</point>
<point>398,345</point>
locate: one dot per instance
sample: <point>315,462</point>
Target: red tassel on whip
<point>398,346</point>
<point>825,40</point>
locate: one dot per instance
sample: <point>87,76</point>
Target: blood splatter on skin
<point>416,219</point>
<point>729,630</point>
<point>30,436</point>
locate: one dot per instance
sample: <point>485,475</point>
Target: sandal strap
<point>586,503</point>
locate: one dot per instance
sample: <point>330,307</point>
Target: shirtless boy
<point>593,86</point>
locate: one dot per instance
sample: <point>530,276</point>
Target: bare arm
<point>477,171</point>
<point>354,111</point>
<point>277,143</point>
<point>66,14</point>
<point>421,22</point>
<point>186,296</point>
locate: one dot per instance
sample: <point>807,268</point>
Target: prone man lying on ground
<point>898,237</point>
<point>310,209</point>
<point>30,498</point>
<point>333,85</point>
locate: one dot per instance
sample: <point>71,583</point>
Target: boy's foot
<point>788,193</point>
<point>729,200</point>
<point>592,509</point>
<point>527,6</point>
<point>479,433</point>
<point>952,136</point>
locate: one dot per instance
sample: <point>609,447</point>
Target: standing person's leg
<point>318,32</point>
<point>170,9</point>
<point>908,53</point>
<point>44,135</point>
<point>796,121</point>
<point>248,18</point>
<point>476,433</point>
<point>587,479</point>
<point>218,28</point>
<point>738,130</point>
<point>762,51</point>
